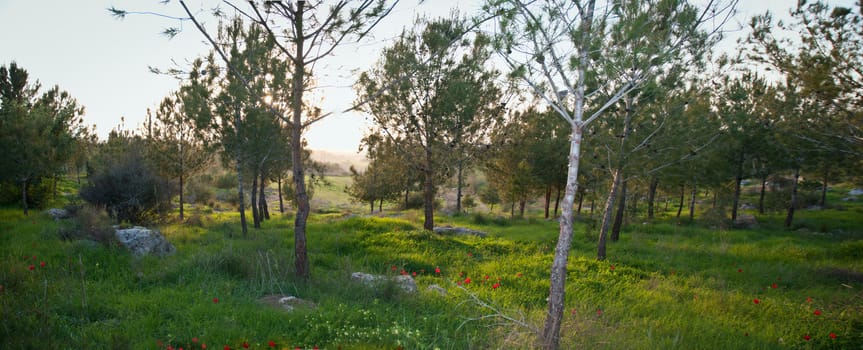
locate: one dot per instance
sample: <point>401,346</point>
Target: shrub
<point>89,223</point>
<point>129,190</point>
<point>199,192</point>
<point>226,181</point>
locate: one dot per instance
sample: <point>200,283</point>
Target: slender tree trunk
<point>651,196</point>
<point>550,337</point>
<point>460,181</point>
<point>281,201</point>
<point>557,202</point>
<point>428,193</point>
<point>580,202</point>
<point>761,198</point>
<point>790,217</point>
<point>547,201</point>
<point>692,201</point>
<point>512,210</point>
<point>680,207</point>
<point>181,196</point>
<point>371,206</point>
<point>618,216</point>
<point>606,216</point>
<point>407,196</point>
<point>823,202</point>
<point>256,213</point>
<point>56,179</point>
<point>381,205</point>
<point>237,125</point>
<point>24,184</point>
<point>301,259</point>
<point>262,199</point>
<point>521,204</point>
<point>738,180</point>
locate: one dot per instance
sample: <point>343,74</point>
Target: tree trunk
<point>181,196</point>
<point>651,196</point>
<point>692,201</point>
<point>262,199</point>
<point>512,209</point>
<point>381,206</point>
<point>738,180</point>
<point>790,217</point>
<point>557,202</point>
<point>242,195</point>
<point>823,202</point>
<point>606,216</point>
<point>618,216</point>
<point>547,201</point>
<point>521,204</point>
<point>24,196</point>
<point>301,259</point>
<point>761,199</point>
<point>371,206</point>
<point>428,194</point>
<point>256,213</point>
<point>680,207</point>
<point>460,181</point>
<point>407,196</point>
<point>580,202</point>
<point>281,201</point>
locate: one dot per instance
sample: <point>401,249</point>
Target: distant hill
<point>339,162</point>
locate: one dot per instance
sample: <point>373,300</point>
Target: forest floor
<point>667,284</point>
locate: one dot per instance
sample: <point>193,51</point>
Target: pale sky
<point>103,62</point>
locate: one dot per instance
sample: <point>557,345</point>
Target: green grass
<point>665,285</point>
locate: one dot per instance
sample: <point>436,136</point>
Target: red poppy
<point>414,273</point>
<point>739,270</point>
<point>495,286</point>
<point>774,286</point>
<point>227,347</point>
<point>756,301</point>
<point>612,267</point>
<point>458,282</point>
<point>403,272</point>
<point>195,340</point>
<point>832,335</point>
<point>272,344</point>
<point>467,280</point>
<point>673,272</point>
<point>486,277</point>
<point>469,254</point>
<point>518,274</point>
<point>42,263</point>
<point>437,270</point>
<point>170,347</point>
<point>203,346</point>
<point>215,300</point>
<point>817,312</point>
<point>573,311</point>
<point>598,312</point>
<point>245,345</point>
<point>32,267</point>
<point>460,274</point>
<point>393,268</point>
<point>315,348</point>
<point>807,337</point>
<point>808,299</point>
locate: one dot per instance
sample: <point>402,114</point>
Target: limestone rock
<point>405,282</point>
<point>459,231</point>
<point>58,214</point>
<point>745,221</point>
<point>855,192</point>
<point>143,241</point>
<point>436,288</point>
<point>286,302</point>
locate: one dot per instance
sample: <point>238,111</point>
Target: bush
<point>199,192</point>
<point>226,181</point>
<point>415,201</point>
<point>89,223</point>
<point>129,190</point>
<point>38,193</point>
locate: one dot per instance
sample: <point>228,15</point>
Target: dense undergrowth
<point>666,285</point>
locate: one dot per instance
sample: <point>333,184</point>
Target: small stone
<point>436,288</point>
<point>143,241</point>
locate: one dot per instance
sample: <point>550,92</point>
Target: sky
<point>103,61</point>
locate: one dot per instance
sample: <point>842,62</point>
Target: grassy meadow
<point>666,284</point>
